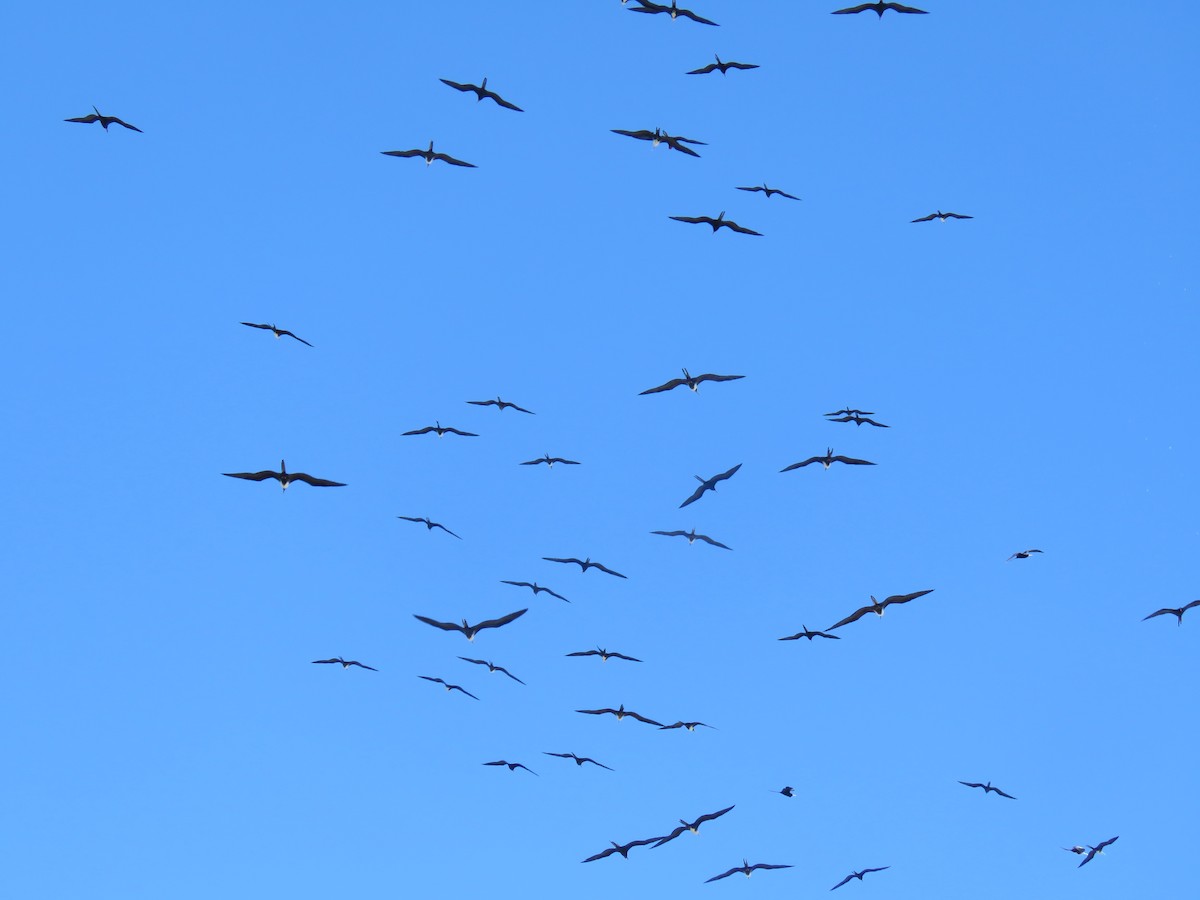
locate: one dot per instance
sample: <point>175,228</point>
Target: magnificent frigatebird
<point>693,827</point>
<point>717,223</point>
<point>603,654</point>
<point>878,607</point>
<point>428,523</point>
<point>673,10</point>
<point>722,66</point>
<point>284,477</point>
<point>449,686</point>
<point>858,420</point>
<point>346,663</point>
<point>880,7</point>
<point>549,461</point>
<point>692,537</point>
<point>690,726</point>
<point>858,875</point>
<point>584,564</point>
<point>1177,613</point>
<point>501,405</point>
<point>768,191</point>
<point>658,136</point>
<point>809,634</point>
<point>1022,554</point>
<point>279,332</point>
<point>623,849</point>
<point>429,156</point>
<point>850,412</point>
<point>469,631</point>
<point>745,868</point>
<point>709,484</point>
<point>621,712</point>
<point>692,381</point>
<point>1099,848</point>
<point>941,217</point>
<point>536,588</point>
<point>437,426</point>
<point>481,91</point>
<point>827,460</point>
<point>512,767</point>
<point>104,121</point>
<point>579,760</point>
<point>492,667</point>
<point>988,788</point>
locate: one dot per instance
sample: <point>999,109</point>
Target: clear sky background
<point>165,734</point>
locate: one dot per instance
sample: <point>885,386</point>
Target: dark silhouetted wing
<point>801,465</point>
<point>996,790</point>
<point>724,475</point>
<point>251,324</point>
<point>403,153</point>
<point>462,433</point>
<point>455,687</point>
<point>641,718</point>
<point>447,158</point>
<point>670,837</point>
<point>596,712</point>
<point>315,482</point>
<point>503,620</point>
<point>623,656</point>
<point>85,120</point>
<point>578,562</point>
<point>445,626</point>
<point>674,382</point>
<point>904,598</point>
<point>565,462</point>
<point>723,874</point>
<point>928,218</point>
<point>851,462</point>
<point>853,617</point>
<point>704,70</point>
<point>971,784</point>
<point>699,492</point>
<point>641,134</point>
<point>753,189</point>
<point>676,144</point>
<point>695,18</point>
<point>300,339</point>
<point>694,220</point>
<point>738,65</point>
<point>324,660</point>
<point>425,430</point>
<point>768,866</point>
<point>711,377</point>
<point>584,653</point>
<point>457,86</point>
<point>500,101</point>
<point>734,226</point>
<point>587,759</point>
<point>253,476</point>
<point>444,528</point>
<point>708,817</point>
<point>955,216</point>
<point>112,119</point>
<point>607,569</point>
<point>850,412</point>
<point>783,194</point>
<point>672,533</point>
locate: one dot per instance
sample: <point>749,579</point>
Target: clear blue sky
<point>165,734</point>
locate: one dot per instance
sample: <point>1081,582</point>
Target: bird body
<point>549,461</point>
<point>768,191</point>
<point>481,91</point>
<point>673,11</point>
<point>437,427</point>
<point>658,136</point>
<point>621,712</point>
<point>941,217</point>
<point>708,484</point>
<point>1177,613</point>
<point>279,332</point>
<point>429,156</point>
<point>1022,554</point>
<point>788,791</point>
<point>284,477</point>
<point>827,460</point>
<point>722,67</point>
<point>104,121</point>
<point>584,564</point>
<point>693,382</point>
<point>469,631</point>
<point>878,607</point>
<point>717,223</point>
<point>745,868</point>
<point>692,537</point>
<point>346,663</point>
<point>603,654</point>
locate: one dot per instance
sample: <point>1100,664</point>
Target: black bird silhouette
<point>717,223</point>
<point>579,760</point>
<point>941,217</point>
<point>693,827</point>
<point>673,10</point>
<point>437,426</point>
<point>1022,554</point>
<point>858,875</point>
<point>481,91</point>
<point>279,332</point>
<point>745,868</point>
<point>469,631</point>
<point>429,156</point>
<point>768,191</point>
<point>850,412</point>
<point>690,726</point>
<point>284,477</point>
<point>722,66</point>
<point>449,686</point>
<point>658,136</point>
<point>1076,849</point>
<point>549,461</point>
<point>492,667</point>
<point>623,849</point>
<point>502,405</point>
<point>603,654</point>
<point>621,712</point>
<point>1177,613</point>
<point>880,7</point>
<point>827,460</point>
<point>536,588</point>
<point>805,633</point>
<point>788,791</point>
<point>709,484</point>
<point>692,381</point>
<point>988,788</point>
<point>878,607</point>
<point>692,537</point>
<point>584,564</point>
<point>346,663</point>
<point>1099,848</point>
<point>858,420</point>
<point>104,121</point>
<point>428,523</point>
<point>512,767</point>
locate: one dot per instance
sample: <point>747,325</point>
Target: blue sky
<point>166,733</point>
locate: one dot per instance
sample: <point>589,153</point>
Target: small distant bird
<point>805,633</point>
<point>512,767</point>
<point>536,588</point>
<point>346,663</point>
<point>579,760</point>
<point>1022,554</point>
<point>584,564</point>
<point>692,381</point>
<point>623,849</point>
<point>104,121</point>
<point>988,788</point>
<point>284,477</point>
<point>880,7</point>
<point>429,156</point>
<point>449,686</point>
<point>502,405</point>
<point>658,136</point>
<point>788,791</point>
<point>768,191</point>
<point>1076,849</point>
<point>621,712</point>
<point>1177,613</point>
<point>850,412</point>
<point>481,91</point>
<point>437,426</point>
<point>690,726</point>
<point>878,607</point>
<point>673,10</point>
<point>708,484</point>
<point>717,223</point>
<point>941,217</point>
<point>827,460</point>
<point>429,524</point>
<point>469,631</point>
<point>693,827</point>
<point>858,420</point>
<point>745,868</point>
<point>549,461</point>
<point>603,654</point>
<point>492,667</point>
<point>692,537</point>
<point>858,875</point>
<point>1099,848</point>
<point>279,332</point>
<point>722,66</point>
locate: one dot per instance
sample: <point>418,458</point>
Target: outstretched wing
<point>445,626</point>
<point>462,433</point>
<point>906,9</point>
<point>86,120</point>
<point>300,339</point>
<point>500,101</point>
<point>928,218</point>
<point>126,124</point>
<point>674,834</point>
<point>801,465</point>
<point>725,475</point>
<point>608,570</point>
<point>695,496</point>
<point>445,529</point>
<point>846,12</point>
<point>447,158</point>
<point>553,594</point>
<point>315,482</point>
<point>695,18</point>
<point>709,816</point>
<point>955,216</point>
<point>1002,794</point>
<point>603,853</point>
<point>252,476</point>
<point>623,656</point>
<point>852,462</point>
<point>641,134</point>
<point>704,70</point>
<point>711,377</point>
<point>251,324</point>
<point>738,65</point>
<point>456,85</point>
<point>559,459</point>
<point>425,430</point>
<point>456,687</point>
<point>734,226</point>
<point>571,559</point>
<point>853,617</point>
<point>971,784</point>
<point>584,653</point>
<point>904,598</point>
<point>503,620</point>
<point>674,382</point>
<point>509,674</point>
<point>722,875</point>
<point>769,866</point>
<point>848,877</point>
<point>641,718</point>
<point>674,144</point>
<point>403,153</point>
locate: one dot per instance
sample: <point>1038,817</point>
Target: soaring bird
<point>880,7</point>
<point>988,788</point>
<point>941,217</point>
<point>536,588</point>
<point>673,10</point>
<point>878,607</point>
<point>805,633</point>
<point>850,412</point>
<point>658,136</point>
<point>584,564</point>
<point>693,827</point>
<point>579,760</point>
<point>501,405</point>
<point>512,767</point>
<point>449,686</point>
<point>549,461</point>
<point>768,191</point>
<point>469,631</point>
<point>603,654</point>
<point>1177,613</point>
<point>690,726</point>
<point>279,332</point>
<point>788,791</point>
<point>722,66</point>
<point>621,712</point>
<point>858,875</point>
<point>428,523</point>
<point>492,667</point>
<point>858,420</point>
<point>692,537</point>
<point>717,223</point>
<point>346,663</point>
<point>745,868</point>
<point>709,484</point>
<point>481,91</point>
<point>437,426</point>
<point>692,381</point>
<point>284,477</point>
<point>1099,848</point>
<point>104,121</point>
<point>1022,554</point>
<point>429,156</point>
<point>1076,849</point>
<point>827,460</point>
<point>623,849</point>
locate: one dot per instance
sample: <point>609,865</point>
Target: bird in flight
<point>850,412</point>
<point>437,426</point>
<point>690,726</point>
<point>788,791</point>
<point>878,607</point>
<point>692,537</point>
<point>579,760</point>
<point>449,686</point>
<point>673,10</point>
<point>827,460</point>
<point>717,223</point>
<point>941,217</point>
<point>988,788</point>
<point>1022,554</point>
<point>709,484</point>
<point>536,588</point>
<point>693,827</point>
<point>429,156</point>
<point>284,477</point>
<point>805,633</point>
<point>858,875</point>
<point>692,381</point>
<point>501,405</point>
<point>768,191</point>
<point>658,136</point>
<point>512,767</point>
<point>492,667</point>
<point>1099,848</point>
<point>603,654</point>
<point>623,849</point>
<point>1177,613</point>
<point>745,868</point>
<point>481,91</point>
<point>104,121</point>
<point>429,524</point>
<point>549,461</point>
<point>880,7</point>
<point>621,712</point>
<point>858,420</point>
<point>279,332</point>
<point>469,631</point>
<point>346,663</point>
<point>723,67</point>
<point>584,564</point>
